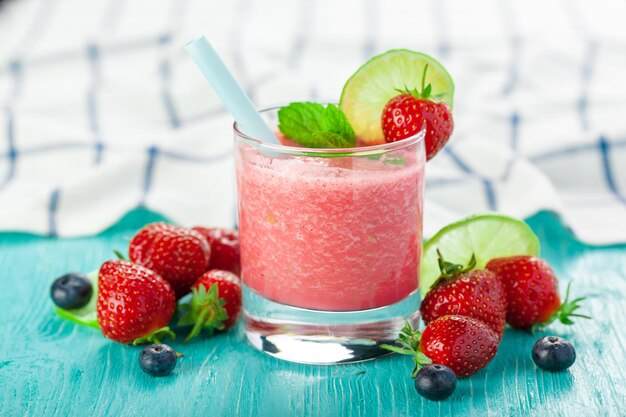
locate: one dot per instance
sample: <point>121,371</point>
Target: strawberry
<point>224,248</point>
<point>215,303</point>
<point>408,113</point>
<point>478,294</point>
<point>178,254</point>
<point>134,303</point>
<point>532,293</point>
<point>463,344</point>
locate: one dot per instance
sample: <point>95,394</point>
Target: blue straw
<point>234,98</point>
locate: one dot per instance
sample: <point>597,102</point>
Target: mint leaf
<point>335,121</point>
<point>331,140</point>
<point>314,126</point>
<point>298,121</point>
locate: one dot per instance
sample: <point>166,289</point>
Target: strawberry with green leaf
<point>215,303</point>
<point>532,292</point>
<point>463,344</point>
<point>465,291</point>
<point>376,82</point>
<point>135,304</point>
<point>413,110</point>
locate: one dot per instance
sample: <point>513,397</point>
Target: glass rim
<point>355,151</point>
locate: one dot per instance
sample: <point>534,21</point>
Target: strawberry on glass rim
<point>413,110</point>
<point>376,83</point>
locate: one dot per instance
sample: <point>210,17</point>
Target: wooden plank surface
<point>50,367</point>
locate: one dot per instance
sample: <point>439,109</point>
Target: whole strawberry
<point>178,254</point>
<point>215,303</point>
<point>408,113</point>
<point>532,293</point>
<point>478,294</point>
<point>461,343</point>
<point>134,303</point>
<point>224,248</point>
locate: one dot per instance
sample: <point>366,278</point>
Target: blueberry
<point>553,353</point>
<point>435,382</point>
<point>157,360</point>
<point>72,290</point>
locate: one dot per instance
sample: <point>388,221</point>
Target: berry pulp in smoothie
<point>334,234</point>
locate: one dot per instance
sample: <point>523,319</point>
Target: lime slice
<point>85,316</point>
<point>487,236</point>
<point>368,90</point>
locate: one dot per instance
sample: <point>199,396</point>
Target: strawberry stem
<point>205,312</point>
<point>426,88</point>
<point>197,327</point>
<point>424,83</point>
<point>450,270</point>
<point>409,344</point>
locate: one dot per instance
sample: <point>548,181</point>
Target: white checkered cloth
<point>102,111</point>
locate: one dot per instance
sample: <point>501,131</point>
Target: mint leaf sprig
<point>314,126</point>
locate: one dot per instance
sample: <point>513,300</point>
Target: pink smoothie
<point>334,234</point>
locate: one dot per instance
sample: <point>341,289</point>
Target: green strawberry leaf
<point>397,349</point>
<point>564,313</point>
<point>315,126</point>
<point>119,255</point>
<point>409,341</point>
<point>155,336</point>
<point>427,91</point>
<point>84,316</point>
<point>205,311</point>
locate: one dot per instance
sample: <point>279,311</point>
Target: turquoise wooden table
<point>50,367</point>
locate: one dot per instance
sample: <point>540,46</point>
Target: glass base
<point>323,337</point>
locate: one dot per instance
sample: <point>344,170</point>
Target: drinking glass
<point>330,245</point>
